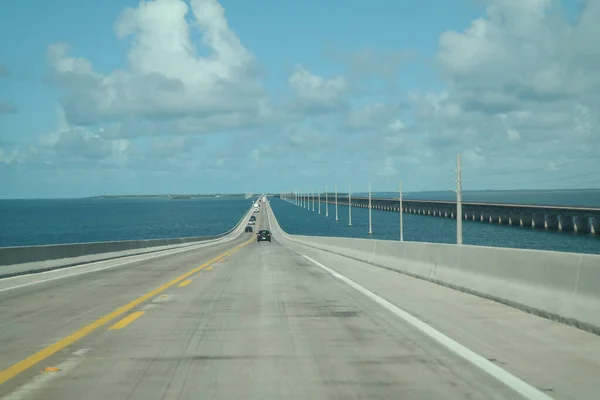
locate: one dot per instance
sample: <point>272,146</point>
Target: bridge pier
<point>514,219</point>
<point>539,220</point>
<point>493,216</point>
<point>526,220</point>
<point>566,223</point>
<point>582,224</point>
<point>551,222</point>
<point>504,218</point>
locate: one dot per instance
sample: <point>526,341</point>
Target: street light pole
<point>349,206</point>
<point>401,212</point>
<point>370,227</point>
<point>326,202</point>
<point>336,205</point>
<point>319,194</point>
<point>459,216</point>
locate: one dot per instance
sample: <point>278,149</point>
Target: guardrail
<point>39,258</point>
<point>561,286</point>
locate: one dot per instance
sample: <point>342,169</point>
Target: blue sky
<point>169,96</point>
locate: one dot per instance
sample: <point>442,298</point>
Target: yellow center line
<point>127,320</point>
<point>185,283</point>
<point>30,361</point>
<point>209,268</point>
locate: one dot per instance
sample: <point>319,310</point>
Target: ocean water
<point>37,222</point>
<point>420,228</point>
<point>40,222</point>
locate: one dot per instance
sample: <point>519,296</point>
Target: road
<point>265,322</point>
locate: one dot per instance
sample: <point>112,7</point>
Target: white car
<point>251,222</point>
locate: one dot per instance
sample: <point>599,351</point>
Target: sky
<point>231,96</point>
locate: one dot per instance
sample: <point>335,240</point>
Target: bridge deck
<point>266,323</point>
<point>475,204</point>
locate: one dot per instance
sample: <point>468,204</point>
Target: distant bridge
<point>561,218</point>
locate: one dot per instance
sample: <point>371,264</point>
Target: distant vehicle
<point>252,218</point>
<point>249,229</point>
<point>263,234</point>
<point>256,209</point>
<point>252,222</point>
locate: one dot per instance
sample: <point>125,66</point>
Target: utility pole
<point>459,216</point>
<point>401,212</point>
<point>349,206</point>
<point>313,200</point>
<point>319,194</point>
<point>370,230</point>
<point>336,205</point>
<point>326,202</point>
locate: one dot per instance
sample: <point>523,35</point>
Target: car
<point>263,234</point>
<point>256,209</point>
<point>253,218</point>
<point>249,228</point>
<point>251,222</point>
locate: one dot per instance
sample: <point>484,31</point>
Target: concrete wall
<point>29,259</point>
<point>556,285</point>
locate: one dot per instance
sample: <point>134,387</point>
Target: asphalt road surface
<point>248,320</point>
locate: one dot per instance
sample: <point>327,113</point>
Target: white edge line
<point>142,257</point>
<point>516,384</point>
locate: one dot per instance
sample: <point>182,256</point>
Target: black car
<point>249,229</point>
<point>263,234</point>
<point>252,218</point>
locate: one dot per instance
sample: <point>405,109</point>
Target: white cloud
<point>15,156</point>
<point>396,126</point>
<point>523,73</point>
<point>513,135</point>
<point>315,93</point>
<point>166,77</point>
<point>388,168</point>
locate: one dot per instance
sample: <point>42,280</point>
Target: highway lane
<point>266,322</point>
<point>560,360</point>
<point>36,316</point>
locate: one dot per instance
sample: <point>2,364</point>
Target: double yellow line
<point>41,355</point>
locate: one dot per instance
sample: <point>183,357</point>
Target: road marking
<point>185,283</point>
<point>36,384</point>
<point>127,320</point>
<point>209,268</point>
<point>30,361</point>
<point>516,384</point>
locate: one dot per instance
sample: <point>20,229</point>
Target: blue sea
<point>37,222</point>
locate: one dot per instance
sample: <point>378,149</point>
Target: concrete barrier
<point>20,260</point>
<point>561,286</point>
